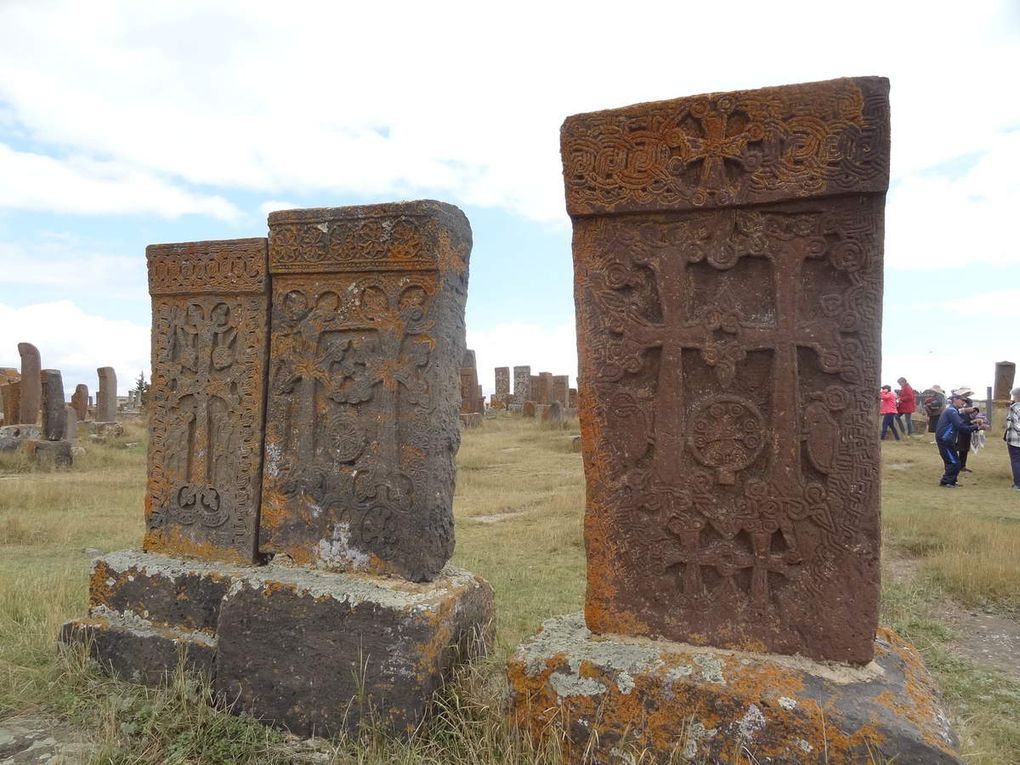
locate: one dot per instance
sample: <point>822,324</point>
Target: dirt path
<point>988,639</point>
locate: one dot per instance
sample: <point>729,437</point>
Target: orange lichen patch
<point>603,694</point>
<point>173,541</point>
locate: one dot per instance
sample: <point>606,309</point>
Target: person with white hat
<point>1012,436</point>
<point>949,426</point>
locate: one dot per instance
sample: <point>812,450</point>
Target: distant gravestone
<point>31,384</point>
<point>572,398</point>
<point>54,419</point>
<point>80,401</point>
<point>106,399</point>
<point>560,390</point>
<point>1005,373</point>
<point>528,410</point>
<point>12,402</point>
<point>522,385</point>
<point>501,397</point>
<point>70,424</point>
<point>207,394</point>
<point>553,412</point>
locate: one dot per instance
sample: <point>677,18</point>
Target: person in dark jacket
<point>947,431</point>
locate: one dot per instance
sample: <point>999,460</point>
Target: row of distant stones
<point>36,418</point>
<point>541,390</point>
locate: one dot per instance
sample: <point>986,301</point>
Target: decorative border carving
<point>726,149</point>
<point>232,266</point>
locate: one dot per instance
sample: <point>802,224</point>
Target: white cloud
<point>544,349</point>
<point>80,184</point>
<point>273,205</point>
<point>75,342</point>
<point>64,263</point>
<point>938,221</point>
<point>459,99</point>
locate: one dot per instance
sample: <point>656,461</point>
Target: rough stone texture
<point>728,339</point>
<point>362,427</point>
<point>297,649</point>
<point>575,444</point>
<point>501,398</point>
<point>13,436</point>
<point>612,695</point>
<point>541,388</point>
<point>54,418</point>
<point>54,454</point>
<point>288,643</point>
<point>12,402</point>
<point>70,424</point>
<point>1005,373</point>
<point>469,396</point>
<point>31,384</point>
<point>106,398</point>
<point>528,410</point>
<point>560,390</point>
<point>572,398</point>
<point>80,401</point>
<point>210,312</point>
<point>522,385</point>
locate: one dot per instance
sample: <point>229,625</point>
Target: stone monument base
<point>606,697</point>
<point>56,454</point>
<point>315,652</point>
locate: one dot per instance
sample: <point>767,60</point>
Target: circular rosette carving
<point>728,434</point>
<point>349,440</point>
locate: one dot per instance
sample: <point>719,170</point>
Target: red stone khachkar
<point>361,421</point>
<point>210,308</point>
<point>728,261</point>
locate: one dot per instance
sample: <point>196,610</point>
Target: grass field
<point>519,509</point>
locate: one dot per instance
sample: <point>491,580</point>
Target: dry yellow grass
<point>519,509</point>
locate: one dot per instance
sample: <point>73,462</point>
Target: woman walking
<point>888,411</point>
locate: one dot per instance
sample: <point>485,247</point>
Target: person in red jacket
<point>888,412</point>
<point>906,404</point>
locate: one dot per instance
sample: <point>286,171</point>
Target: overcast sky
<point>128,123</point>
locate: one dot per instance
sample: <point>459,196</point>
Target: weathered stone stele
<point>80,401</point>
<point>1005,373</point>
<point>106,398</point>
<point>210,308</point>
<point>522,385</point>
<point>728,261</point>
<point>501,397</point>
<point>31,384</point>
<point>54,419</point>
<point>362,417</point>
<point>470,392</point>
<point>560,390</point>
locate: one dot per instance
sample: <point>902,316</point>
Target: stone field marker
<point>1005,373</point>
<point>298,552</point>
<point>30,390</point>
<point>728,289</point>
<point>106,399</point>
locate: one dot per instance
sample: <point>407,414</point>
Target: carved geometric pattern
<point>206,399</point>
<point>728,360</point>
<point>361,425</point>
<point>723,149</point>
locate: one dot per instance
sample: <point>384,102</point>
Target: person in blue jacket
<point>951,423</point>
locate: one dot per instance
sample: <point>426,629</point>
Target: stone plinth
<point>728,334</point>
<point>210,312</point>
<point>361,423</point>
<point>611,695</point>
<point>13,436</point>
<point>292,646</point>
<point>53,454</point>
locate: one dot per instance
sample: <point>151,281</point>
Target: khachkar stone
<point>560,390</point>
<point>470,391</point>
<point>522,385</point>
<point>362,420</point>
<point>728,284</point>
<point>12,402</point>
<point>31,384</point>
<point>80,401</point>
<point>210,310</point>
<point>54,419</point>
<point>106,399</point>
<point>1005,372</point>
<point>501,397</point>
